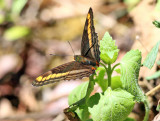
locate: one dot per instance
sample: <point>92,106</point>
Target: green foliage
<point>158,62</point>
<point>16,32</point>
<point>83,113</point>
<point>158,107</point>
<point>119,93</point>
<point>130,66</point>
<point>129,119</point>
<point>78,93</point>
<point>109,51</point>
<point>1,19</point>
<point>17,6</point>
<point>151,57</point>
<point>11,15</point>
<point>154,76</point>
<point>118,70</point>
<point>157,8</point>
<point>2,4</point>
<point>116,82</point>
<point>156,23</point>
<point>102,82</point>
<point>131,3</point>
<point>114,105</point>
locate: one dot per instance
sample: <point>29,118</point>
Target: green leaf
<point>109,51</point>
<point>83,114</point>
<point>116,82</point>
<point>17,6</point>
<point>78,93</point>
<point>114,105</point>
<point>154,76</point>
<point>158,62</point>
<point>151,57</point>
<point>130,66</point>
<point>118,70</point>
<point>2,18</point>
<point>129,119</point>
<point>89,120</point>
<point>158,106</point>
<point>103,83</point>
<point>157,8</point>
<point>16,32</point>
<point>156,23</point>
<point>2,4</point>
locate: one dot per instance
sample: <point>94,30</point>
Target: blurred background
<point>31,30</point>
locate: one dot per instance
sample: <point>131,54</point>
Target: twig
<point>153,91</point>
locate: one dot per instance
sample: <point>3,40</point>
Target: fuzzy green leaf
<point>114,105</point>
<point>116,82</point>
<point>109,51</point>
<point>151,57</point>
<point>130,66</point>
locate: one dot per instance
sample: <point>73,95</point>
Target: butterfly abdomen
<point>84,60</point>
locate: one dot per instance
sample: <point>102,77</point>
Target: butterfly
<point>84,64</point>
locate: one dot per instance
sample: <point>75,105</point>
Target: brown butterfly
<point>84,64</point>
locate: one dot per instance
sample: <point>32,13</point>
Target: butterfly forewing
<point>89,45</point>
<point>69,71</point>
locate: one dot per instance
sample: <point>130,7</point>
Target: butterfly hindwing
<point>69,71</point>
<point>89,45</point>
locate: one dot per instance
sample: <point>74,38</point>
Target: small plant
<point>11,16</point>
<point>119,93</point>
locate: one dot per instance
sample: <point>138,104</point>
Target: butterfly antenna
<point>60,55</point>
<point>71,47</point>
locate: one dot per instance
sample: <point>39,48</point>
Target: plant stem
<point>115,66</point>
<point>109,73</point>
<point>104,66</point>
<point>146,104</point>
<point>90,86</point>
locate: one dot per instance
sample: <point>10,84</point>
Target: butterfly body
<point>84,64</point>
<point>84,60</point>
